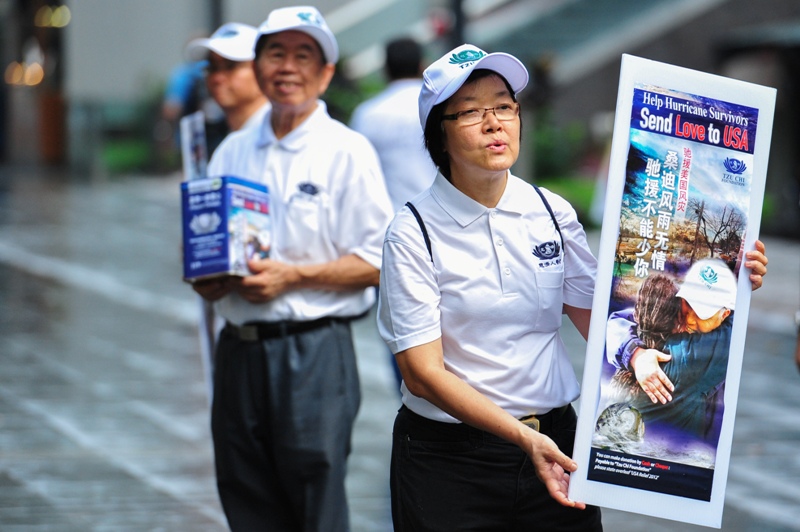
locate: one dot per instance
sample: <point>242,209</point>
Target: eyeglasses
<point>471,117</point>
<point>223,66</point>
<point>278,56</point>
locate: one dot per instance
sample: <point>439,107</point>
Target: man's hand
<point>269,279</point>
<point>757,264</point>
<point>650,376</point>
<point>213,289</point>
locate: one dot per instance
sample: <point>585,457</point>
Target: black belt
<point>430,430</point>
<point>265,330</point>
<point>543,422</point>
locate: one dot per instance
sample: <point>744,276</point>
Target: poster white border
<point>636,70</point>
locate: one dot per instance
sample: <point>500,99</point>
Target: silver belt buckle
<point>531,421</point>
<point>248,333</point>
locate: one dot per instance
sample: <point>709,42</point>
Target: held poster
<point>685,188</point>
<point>193,146</point>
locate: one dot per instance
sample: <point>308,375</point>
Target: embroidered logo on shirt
<point>308,188</point>
<point>548,253</point>
<point>548,250</point>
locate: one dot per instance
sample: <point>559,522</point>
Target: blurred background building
<point>84,79</point>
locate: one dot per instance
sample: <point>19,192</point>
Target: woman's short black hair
<point>434,132</point>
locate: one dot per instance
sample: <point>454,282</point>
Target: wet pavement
<point>103,404</point>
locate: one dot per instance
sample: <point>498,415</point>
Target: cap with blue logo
<point>306,19</point>
<point>447,74</point>
<point>708,287</point>
<point>232,41</point>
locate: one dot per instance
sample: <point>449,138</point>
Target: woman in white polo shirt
<point>476,274</point>
<point>474,321</point>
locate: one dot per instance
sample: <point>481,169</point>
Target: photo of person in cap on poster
<point>286,384</point>
<point>682,336</point>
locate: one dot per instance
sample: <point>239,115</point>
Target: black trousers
<point>448,477</point>
<point>282,419</point>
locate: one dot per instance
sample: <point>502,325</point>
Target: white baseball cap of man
<point>709,286</point>
<point>233,41</point>
<point>447,74</point>
<point>307,19</point>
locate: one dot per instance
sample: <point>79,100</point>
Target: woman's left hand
<point>551,468</point>
<point>756,262</point>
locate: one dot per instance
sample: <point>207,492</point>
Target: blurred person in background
<point>229,77</point>
<point>180,94</point>
<point>390,121</point>
<point>227,57</point>
<point>184,94</point>
<point>286,389</point>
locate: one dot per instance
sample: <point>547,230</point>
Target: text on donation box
<point>226,222</point>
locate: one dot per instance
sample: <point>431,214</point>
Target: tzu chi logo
<point>547,253</point>
<point>309,18</point>
<point>734,166</point>
<point>735,169</point>
<point>464,58</point>
<point>708,276</point>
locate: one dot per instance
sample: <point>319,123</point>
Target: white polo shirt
<point>390,121</point>
<point>493,293</point>
<point>258,117</point>
<point>327,200</point>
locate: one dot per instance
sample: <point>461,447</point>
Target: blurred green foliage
<point>577,189</point>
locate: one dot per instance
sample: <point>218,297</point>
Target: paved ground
<point>103,407</point>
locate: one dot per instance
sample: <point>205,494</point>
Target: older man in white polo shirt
<point>286,388</point>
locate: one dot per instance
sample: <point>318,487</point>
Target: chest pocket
<point>550,290</point>
<point>304,221</point>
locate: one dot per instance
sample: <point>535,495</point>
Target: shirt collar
<point>516,196</point>
<point>465,210</point>
<point>257,118</point>
<point>298,137</point>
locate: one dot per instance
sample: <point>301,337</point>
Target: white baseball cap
<point>306,19</point>
<point>232,41</point>
<point>447,74</point>
<point>709,286</point>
